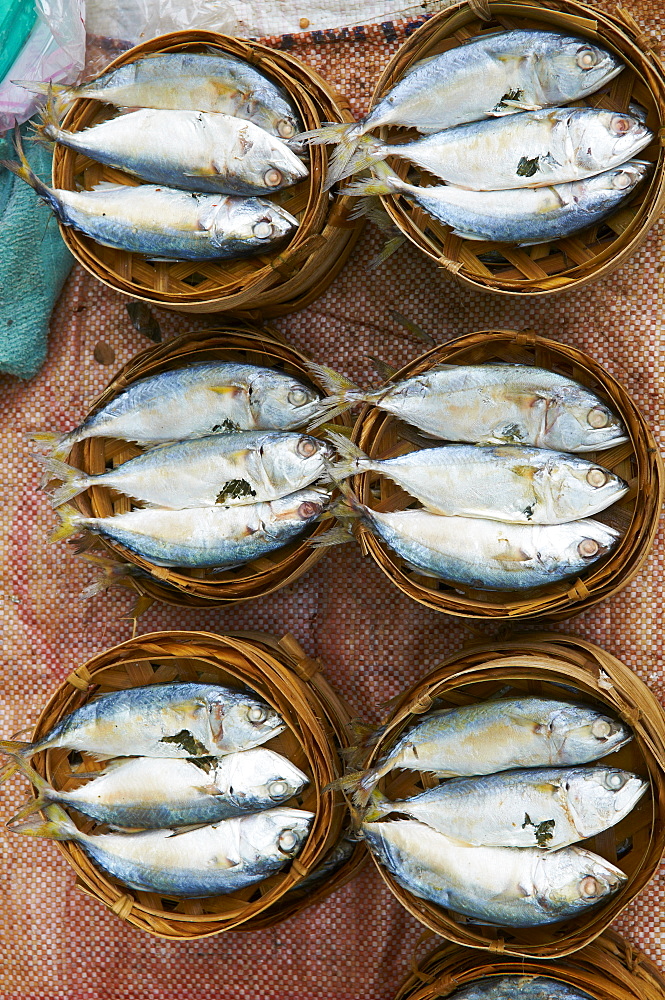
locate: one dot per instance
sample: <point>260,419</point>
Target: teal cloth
<point>34,263</point>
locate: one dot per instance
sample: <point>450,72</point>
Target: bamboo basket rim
<point>610,968</point>
<point>289,680</point>
<point>291,274</point>
<point>457,256</point>
<point>530,659</point>
<point>559,600</point>
<point>229,340</point>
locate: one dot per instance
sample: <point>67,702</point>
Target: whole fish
<point>187,81</point>
<point>509,886</point>
<point>485,554</point>
<point>161,720</point>
<point>539,807</point>
<point>226,469</point>
<point>156,793</point>
<point>219,537</point>
<point>491,75</point>
<point>210,860</point>
<point>490,404</point>
<point>531,149</point>
<point>520,987</point>
<point>519,485</point>
<point>164,223</point>
<point>499,735</point>
<point>525,216</point>
<point>192,402</point>
<point>194,150</point>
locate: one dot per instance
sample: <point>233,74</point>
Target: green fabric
<point>34,263</point>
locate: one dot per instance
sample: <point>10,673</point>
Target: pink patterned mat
<point>57,943</point>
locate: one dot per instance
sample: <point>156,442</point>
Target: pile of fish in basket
<point>496,841</point>
<point>209,133</point>
<point>520,161</point>
<point>197,768</point>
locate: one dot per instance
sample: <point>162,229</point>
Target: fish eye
<point>287,841</point>
<point>620,124</point>
<point>298,397</point>
<point>278,790</point>
<point>273,177</point>
<point>614,780</point>
<point>257,714</point>
<point>601,729</point>
<point>621,180</point>
<point>262,230</point>
<point>590,887</point>
<point>309,509</point>
<point>597,418</point>
<point>306,447</point>
<point>596,478</point>
<point>285,128</point>
<point>588,548</point>
<point>587,58</point>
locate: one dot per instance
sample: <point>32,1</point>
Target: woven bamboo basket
<point>237,342</point>
<point>637,461</point>
<point>537,664</point>
<point>563,264</point>
<point>284,676</point>
<point>284,280</point>
<point>608,969</point>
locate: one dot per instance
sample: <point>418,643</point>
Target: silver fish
<point>164,223</point>
<point>538,807</point>
<point>155,793</point>
<point>519,987</point>
<point>194,150</point>
<point>187,81</point>
<point>223,469</point>
<point>490,404</point>
<point>161,720</point>
<point>519,70</point>
<point>210,860</point>
<point>490,555</point>
<point>519,485</point>
<point>525,216</point>
<point>499,735</point>
<point>219,537</point>
<point>532,149</point>
<point>192,402</point>
<point>509,886</point>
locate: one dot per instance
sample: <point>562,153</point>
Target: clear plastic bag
<point>54,50</point>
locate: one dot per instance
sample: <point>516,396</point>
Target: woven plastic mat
<point>57,943</point>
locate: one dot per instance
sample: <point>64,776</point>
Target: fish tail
<point>48,124</point>
<point>45,88</point>
<point>367,783</point>
<point>23,170</point>
<point>368,151</point>
<point>46,793</point>
<point>384,181</point>
<point>350,454</point>
<point>70,521</point>
<point>378,805</point>
<point>58,826</point>
<point>73,480</point>
<point>113,575</point>
<point>343,393</point>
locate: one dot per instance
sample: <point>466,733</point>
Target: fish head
<point>273,113</point>
<point>577,488</point>
<point>279,401</point>
<point>612,186</point>
<point>573,879</point>
<point>245,721</point>
<point>575,68</point>
<point>604,794</point>
<point>268,163</point>
<point>266,773</point>
<point>581,543</point>
<point>604,139</point>
<point>254,224</point>
<point>297,460</point>
<point>581,733</point>
<point>301,508</point>
<point>577,421</point>
<point>274,836</point>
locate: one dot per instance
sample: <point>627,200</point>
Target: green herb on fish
<point>234,489</point>
<point>544,831</point>
<point>187,742</point>
<point>226,427</point>
<point>527,167</point>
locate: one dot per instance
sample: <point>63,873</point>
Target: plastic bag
<point>54,50</point>
<point>138,20</point>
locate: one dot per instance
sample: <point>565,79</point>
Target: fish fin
<point>350,454</point>
<point>224,390</point>
<point>339,535</point>
<point>343,393</point>
<point>465,235</point>
<point>69,476</point>
<point>367,151</point>
<point>23,170</point>
<point>382,368</point>
<point>208,789</point>
<point>371,208</point>
<point>33,805</point>
<point>345,136</point>
<point>59,443</point>
<point>58,826</point>
<point>48,124</point>
<point>510,107</point>
<point>390,247</point>
<point>18,749</point>
<point>69,523</point>
<point>377,806</point>
<point>413,328</point>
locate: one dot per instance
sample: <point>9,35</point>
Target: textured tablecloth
<point>58,943</point>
